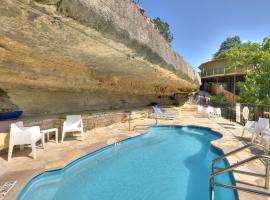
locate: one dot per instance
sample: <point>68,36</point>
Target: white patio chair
<point>199,108</point>
<point>202,110</point>
<point>256,128</point>
<point>249,126</point>
<point>266,138</point>
<point>73,123</point>
<point>20,135</point>
<point>217,112</point>
<point>261,127</point>
<point>210,111</point>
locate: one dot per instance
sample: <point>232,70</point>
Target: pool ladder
<point>230,168</point>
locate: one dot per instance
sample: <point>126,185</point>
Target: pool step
<point>200,115</point>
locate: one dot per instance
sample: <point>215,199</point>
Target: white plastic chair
<point>20,135</point>
<point>202,110</point>
<point>217,112</point>
<point>266,138</point>
<point>210,111</point>
<point>249,126</point>
<point>256,127</point>
<point>261,128</point>
<point>73,123</point>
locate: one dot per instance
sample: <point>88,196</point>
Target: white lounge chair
<point>159,113</point>
<point>73,123</point>
<point>20,135</point>
<point>256,127</point>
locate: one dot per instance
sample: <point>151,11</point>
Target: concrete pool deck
<point>55,156</point>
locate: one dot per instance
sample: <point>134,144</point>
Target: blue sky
<point>199,26</point>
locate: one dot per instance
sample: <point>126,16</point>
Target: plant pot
<point>10,115</point>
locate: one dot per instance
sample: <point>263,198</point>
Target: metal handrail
<point>238,164</point>
<point>265,193</point>
<point>238,150</point>
<point>231,167</point>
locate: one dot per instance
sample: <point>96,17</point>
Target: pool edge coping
<point>76,160</point>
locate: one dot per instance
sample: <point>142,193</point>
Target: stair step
<point>201,115</point>
<point>189,108</point>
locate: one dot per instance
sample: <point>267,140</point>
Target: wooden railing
<point>212,72</point>
<point>220,71</point>
<point>219,89</point>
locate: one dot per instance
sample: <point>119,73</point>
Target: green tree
<point>164,29</point>
<point>256,57</point>
<point>230,42</point>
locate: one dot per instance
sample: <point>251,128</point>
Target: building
<point>214,73</point>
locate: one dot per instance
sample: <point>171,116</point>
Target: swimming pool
<point>167,163</point>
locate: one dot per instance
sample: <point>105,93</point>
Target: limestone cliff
<point>62,56</point>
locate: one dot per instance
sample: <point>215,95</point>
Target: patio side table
<point>48,131</point>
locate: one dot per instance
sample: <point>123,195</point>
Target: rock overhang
<point>50,47</point>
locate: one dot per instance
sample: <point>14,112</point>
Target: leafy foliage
<point>219,100</point>
<point>230,42</point>
<point>256,88</point>
<point>164,29</point>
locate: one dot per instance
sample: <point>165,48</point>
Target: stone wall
<point>90,121</point>
<point>69,56</point>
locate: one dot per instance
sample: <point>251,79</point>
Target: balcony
<point>221,72</point>
<point>213,72</point>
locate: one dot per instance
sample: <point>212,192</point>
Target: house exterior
<point>214,73</point>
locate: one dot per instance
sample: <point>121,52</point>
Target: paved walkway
<point>22,167</point>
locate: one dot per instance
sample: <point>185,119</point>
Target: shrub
<point>197,93</point>
<point>219,101</point>
<point>164,29</point>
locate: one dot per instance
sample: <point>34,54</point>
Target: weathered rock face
<point>62,56</point>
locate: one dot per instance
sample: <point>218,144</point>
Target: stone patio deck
<point>55,156</point>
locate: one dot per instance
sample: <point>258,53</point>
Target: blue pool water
<point>167,163</point>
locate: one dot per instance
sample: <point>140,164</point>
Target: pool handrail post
<point>129,121</point>
<point>231,167</point>
<point>236,165</point>
<point>210,189</point>
<point>267,169</point>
